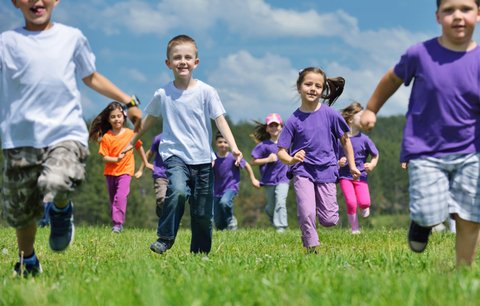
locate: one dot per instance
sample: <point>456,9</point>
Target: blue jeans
<point>223,209</point>
<point>195,184</point>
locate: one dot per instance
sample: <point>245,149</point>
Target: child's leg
<point>160,187</point>
<point>119,205</point>
<point>219,214</point>
<point>280,220</point>
<point>305,194</point>
<point>270,197</point>
<point>350,196</point>
<point>326,204</point>
<point>26,239</point>
<point>227,203</point>
<point>466,241</point>
<point>363,197</point>
<point>201,208</point>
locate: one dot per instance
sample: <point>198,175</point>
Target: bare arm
<point>105,87</point>
<point>262,161</point>
<point>224,129</point>
<point>253,179</point>
<point>288,159</point>
<point>147,123</point>
<point>144,164</point>
<point>372,164</point>
<point>387,86</point>
<point>348,149</point>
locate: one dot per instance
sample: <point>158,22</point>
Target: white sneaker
<point>365,212</point>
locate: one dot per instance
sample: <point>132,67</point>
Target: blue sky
<point>249,50</point>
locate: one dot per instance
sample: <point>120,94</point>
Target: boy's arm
<point>146,124</point>
<point>261,161</point>
<point>253,179</point>
<point>348,149</point>
<point>104,86</point>
<point>145,162</point>
<point>387,86</point>
<point>290,160</point>
<point>224,129</point>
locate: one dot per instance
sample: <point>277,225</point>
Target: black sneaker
<point>27,269</point>
<point>161,246</point>
<point>418,237</point>
<point>62,229</point>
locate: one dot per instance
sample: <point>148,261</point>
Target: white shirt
<point>39,99</point>
<point>187,115</point>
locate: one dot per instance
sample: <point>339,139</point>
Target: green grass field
<point>246,267</point>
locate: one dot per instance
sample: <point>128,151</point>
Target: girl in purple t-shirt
<point>274,172</point>
<point>308,143</point>
<point>356,192</point>
<point>226,184</point>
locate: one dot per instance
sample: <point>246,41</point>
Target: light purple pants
<point>315,200</point>
<point>356,194</point>
<point>118,190</point>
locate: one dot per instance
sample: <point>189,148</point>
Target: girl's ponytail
<point>333,89</point>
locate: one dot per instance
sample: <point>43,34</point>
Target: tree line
<point>388,183</point>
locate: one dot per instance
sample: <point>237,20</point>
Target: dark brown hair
<point>350,111</point>
<point>332,87</point>
<point>260,132</point>
<point>100,125</point>
<point>181,39</point>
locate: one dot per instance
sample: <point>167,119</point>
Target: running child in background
<point>308,144</point>
<point>356,192</point>
<point>227,182</point>
<point>43,133</point>
<point>273,172</point>
<point>109,129</point>
<point>441,140</point>
<point>159,174</point>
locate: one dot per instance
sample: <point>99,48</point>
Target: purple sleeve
<point>286,137</point>
<point>372,149</point>
<point>405,69</point>
<point>258,151</point>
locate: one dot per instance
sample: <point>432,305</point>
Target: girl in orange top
<point>108,128</point>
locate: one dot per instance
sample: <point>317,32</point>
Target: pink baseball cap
<point>274,118</point>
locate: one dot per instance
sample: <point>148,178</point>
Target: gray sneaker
<point>62,229</point>
<point>161,246</point>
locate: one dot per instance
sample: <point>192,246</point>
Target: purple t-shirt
<point>158,165</point>
<point>272,173</point>
<point>443,114</point>
<point>227,174</point>
<point>317,133</point>
<point>363,146</point>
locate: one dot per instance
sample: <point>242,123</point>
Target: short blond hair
<point>181,39</point>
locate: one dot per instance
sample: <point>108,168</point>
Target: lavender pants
<point>118,190</point>
<point>315,200</point>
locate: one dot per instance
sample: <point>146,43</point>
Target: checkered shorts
<point>442,186</point>
<point>32,174</point>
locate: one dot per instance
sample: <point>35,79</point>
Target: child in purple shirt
<point>441,140</point>
<point>308,144</point>
<point>356,192</point>
<point>273,171</point>
<point>227,181</point>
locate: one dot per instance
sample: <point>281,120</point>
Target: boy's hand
<point>342,161</point>
<point>404,165</point>
<point>256,183</point>
<point>138,174</point>
<point>149,166</point>
<point>368,120</point>
<point>238,157</point>
<point>135,115</point>
<point>298,157</point>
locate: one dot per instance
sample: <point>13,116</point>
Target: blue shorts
<point>442,186</point>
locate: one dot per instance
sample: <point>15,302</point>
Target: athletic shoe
<point>27,270</point>
<point>117,229</point>
<point>161,246</point>
<point>365,212</point>
<point>418,237</point>
<point>312,250</point>
<point>62,229</point>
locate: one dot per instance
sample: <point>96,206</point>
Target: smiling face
<point>458,19</point>
<point>182,60</point>
<point>222,146</point>
<point>311,88</point>
<point>274,130</point>
<point>116,119</point>
<point>37,13</point>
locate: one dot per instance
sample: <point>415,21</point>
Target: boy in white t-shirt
<point>44,136</point>
<point>187,106</point>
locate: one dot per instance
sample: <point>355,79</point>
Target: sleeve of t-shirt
<point>372,149</point>
<point>215,106</point>
<point>405,69</point>
<point>103,148</point>
<point>286,136</point>
<point>339,125</point>
<point>242,163</point>
<point>1,52</point>
<point>84,58</point>
<point>258,151</point>
<point>155,145</point>
<point>154,107</point>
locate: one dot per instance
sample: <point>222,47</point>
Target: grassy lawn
<point>246,267</point>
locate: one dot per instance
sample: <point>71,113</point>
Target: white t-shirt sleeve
<point>154,107</point>
<point>215,106</point>
<point>84,58</point>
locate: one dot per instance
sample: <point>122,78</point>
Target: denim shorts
<point>442,186</point>
<point>31,175</point>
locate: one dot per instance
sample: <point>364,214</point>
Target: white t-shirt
<point>187,115</point>
<point>39,99</point>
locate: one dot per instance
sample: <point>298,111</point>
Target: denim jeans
<point>276,207</point>
<point>195,184</point>
<point>223,209</point>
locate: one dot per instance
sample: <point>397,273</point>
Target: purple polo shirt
<point>363,147</point>
<point>443,114</point>
<point>274,173</point>
<point>158,165</point>
<point>317,133</point>
<point>227,175</point>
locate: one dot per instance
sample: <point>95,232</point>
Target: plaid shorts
<point>442,186</point>
<point>31,175</point>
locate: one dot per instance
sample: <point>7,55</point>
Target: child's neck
<point>354,130</point>
<point>310,107</point>
<point>460,47</point>
<point>117,131</point>
<point>274,138</point>
<point>184,84</point>
<point>222,154</point>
